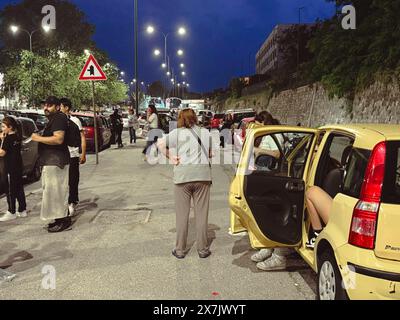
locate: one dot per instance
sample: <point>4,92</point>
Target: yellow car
<point>357,256</point>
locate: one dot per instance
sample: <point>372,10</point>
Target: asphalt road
<point>121,241</point>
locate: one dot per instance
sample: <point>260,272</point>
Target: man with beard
<point>54,158</point>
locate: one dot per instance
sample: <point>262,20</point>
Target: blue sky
<point>222,34</point>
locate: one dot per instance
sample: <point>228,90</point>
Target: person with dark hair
<point>10,150</point>
<point>192,179</point>
<point>77,141</point>
<point>133,124</point>
<point>54,157</point>
<point>153,124</point>
<point>118,126</point>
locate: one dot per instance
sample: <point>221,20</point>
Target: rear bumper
<point>368,277</point>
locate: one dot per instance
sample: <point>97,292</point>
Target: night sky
<point>222,35</point>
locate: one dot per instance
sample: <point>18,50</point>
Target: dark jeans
<point>149,144</point>
<point>118,136</point>
<point>74,180</point>
<point>15,191</point>
<point>132,133</point>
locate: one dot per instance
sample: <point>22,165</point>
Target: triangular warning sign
<point>92,71</point>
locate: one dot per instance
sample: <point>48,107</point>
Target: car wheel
<point>330,284</point>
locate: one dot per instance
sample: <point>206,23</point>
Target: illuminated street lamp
<point>157,52</point>
<point>87,52</point>
<point>164,65</point>
<point>150,29</point>
<point>183,73</point>
<point>14,29</point>
<point>180,52</point>
<point>182,65</point>
<point>182,31</point>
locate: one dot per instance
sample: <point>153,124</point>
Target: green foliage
<point>236,86</point>
<point>57,74</point>
<point>348,60</point>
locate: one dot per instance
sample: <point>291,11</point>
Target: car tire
<point>330,283</point>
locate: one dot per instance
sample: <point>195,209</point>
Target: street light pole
<point>136,57</point>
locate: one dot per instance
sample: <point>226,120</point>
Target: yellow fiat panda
<point>357,255</point>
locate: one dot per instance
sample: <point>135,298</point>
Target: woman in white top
<point>153,122</point>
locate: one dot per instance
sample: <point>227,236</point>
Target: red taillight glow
<point>365,215</point>
<point>89,132</point>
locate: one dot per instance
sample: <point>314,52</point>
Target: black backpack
<point>73,135</point>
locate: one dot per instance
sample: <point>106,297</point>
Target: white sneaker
<point>262,255</point>
<point>71,209</point>
<point>275,263</point>
<point>8,217</point>
<point>22,214</point>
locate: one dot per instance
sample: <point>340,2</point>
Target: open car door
<point>267,196</point>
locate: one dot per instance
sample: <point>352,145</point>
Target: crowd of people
<point>62,150</point>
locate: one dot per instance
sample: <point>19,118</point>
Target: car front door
<point>271,190</point>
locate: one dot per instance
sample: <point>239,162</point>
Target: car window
<point>281,154</point>
<point>355,171</point>
<point>28,128</point>
<point>391,186</point>
<point>86,121</point>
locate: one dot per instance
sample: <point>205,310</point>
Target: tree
<point>347,60</point>
<point>236,87</point>
<point>57,74</point>
<point>73,33</point>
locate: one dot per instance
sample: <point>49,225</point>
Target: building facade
<point>270,56</point>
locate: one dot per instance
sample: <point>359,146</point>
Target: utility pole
<point>136,56</point>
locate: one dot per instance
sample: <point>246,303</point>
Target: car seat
<point>334,179</point>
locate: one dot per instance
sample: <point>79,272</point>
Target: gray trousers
<point>200,192</point>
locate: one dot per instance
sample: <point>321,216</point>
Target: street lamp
<point>164,65</point>
<point>182,31</point>
<point>14,29</point>
<point>87,52</point>
<point>122,73</point>
<point>182,65</point>
<point>150,29</point>
<point>168,73</point>
<point>183,73</point>
<point>180,52</point>
<point>157,52</point>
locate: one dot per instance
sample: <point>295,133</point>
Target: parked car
<point>103,130</point>
<point>239,115</point>
<point>39,119</point>
<point>217,120</point>
<point>29,152</point>
<point>239,135</point>
<point>359,167</point>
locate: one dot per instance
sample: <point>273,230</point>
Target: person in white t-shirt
<point>76,160</point>
<point>153,124</point>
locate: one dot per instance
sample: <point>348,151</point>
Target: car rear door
<point>273,186</point>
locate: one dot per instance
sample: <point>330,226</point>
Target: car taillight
<point>365,215</point>
<point>89,132</point>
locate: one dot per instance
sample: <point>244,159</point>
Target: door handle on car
<point>294,187</point>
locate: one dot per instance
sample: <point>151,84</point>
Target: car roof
<point>369,134</point>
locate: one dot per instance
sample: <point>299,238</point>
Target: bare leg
<point>319,205</point>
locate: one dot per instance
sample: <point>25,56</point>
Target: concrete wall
<point>379,103</point>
